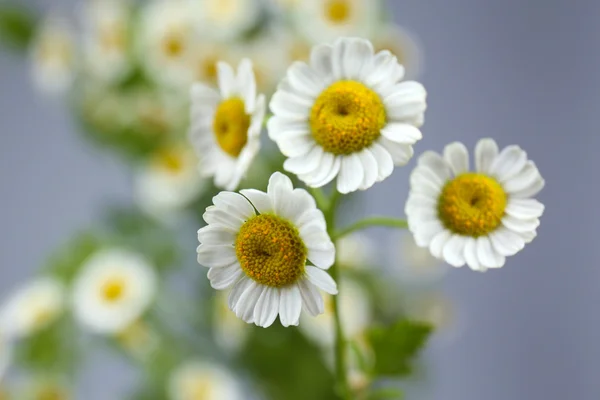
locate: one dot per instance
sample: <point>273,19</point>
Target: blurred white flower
<point>412,264</point>
<point>199,380</point>
<point>356,250</point>
<point>227,19</point>
<point>113,289</point>
<point>166,41</point>
<point>106,38</point>
<point>230,332</point>
<point>169,181</point>
<point>324,21</point>
<point>206,55</point>
<point>53,56</point>
<point>355,314</point>
<point>226,125</point>
<point>32,307</point>
<point>403,45</point>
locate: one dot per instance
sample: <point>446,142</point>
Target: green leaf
<point>387,393</point>
<point>17,26</point>
<point>396,346</point>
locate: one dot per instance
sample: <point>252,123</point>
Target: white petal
<point>351,174</point>
<point>423,180</point>
<point>311,298</point>
<point>212,234</point>
<point>407,102</point>
<point>418,200</point>
<point>260,200</point>
<point>214,215</point>
<point>401,153</point>
<point>338,55</point>
<point>305,164</point>
<point>509,163</point>
<point>234,204</point>
<point>224,278</point>
<point>280,128</point>
<point>370,168</point>
<point>313,217</point>
<point>384,160</point>
<point>506,242</point>
<point>486,254</point>
<point>320,60</point>
<point>298,202</point>
<point>471,256</point>
<point>321,279</point>
<point>305,79</point>
<point>520,225</point>
<point>385,72</point>
<point>216,256</point>
<point>279,190</point>
<point>296,146</point>
<point>486,151</point>
<point>528,236</point>
<point>524,208</point>
<point>357,57</point>
<point>453,251</point>
<point>323,256</point>
<point>267,307</point>
<point>327,171</point>
<point>290,305</point>
<point>314,236</point>
<point>238,289</point>
<point>227,80</point>
<point>402,133</point>
<point>436,247</point>
<point>435,163</point>
<point>426,232</point>
<point>258,116</point>
<point>247,85</point>
<point>244,308</point>
<point>203,95</point>
<point>288,104</point>
<point>525,184</point>
<point>457,157</point>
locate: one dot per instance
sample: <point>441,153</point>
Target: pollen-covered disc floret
<point>258,244</point>
<point>226,125</point>
<point>346,114</point>
<point>477,218</point>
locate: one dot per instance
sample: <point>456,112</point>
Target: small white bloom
<point>226,126</point>
<point>199,380</point>
<point>169,181</point>
<point>32,307</point>
<point>206,55</point>
<point>355,314</point>
<point>356,251</point>
<point>230,332</point>
<point>403,45</point>
<point>53,56</point>
<point>346,114</point>
<point>106,39</point>
<point>263,256</point>
<point>474,218</point>
<point>113,289</point>
<point>326,20</point>
<point>413,264</point>
<point>227,19</point>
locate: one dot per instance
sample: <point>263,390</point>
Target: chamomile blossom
<point>475,218</point>
<point>113,289</point>
<point>53,56</point>
<point>346,114</point>
<point>226,125</point>
<point>227,19</point>
<point>195,380</point>
<point>263,256</point>
<point>326,20</point>
<point>32,308</point>
<point>106,39</point>
<point>403,44</point>
<point>169,181</point>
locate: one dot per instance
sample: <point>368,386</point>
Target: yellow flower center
<point>472,204</point>
<point>347,117</point>
<point>231,125</point>
<point>173,45</point>
<point>207,68</point>
<point>170,160</point>
<point>337,11</point>
<point>271,251</point>
<point>113,289</point>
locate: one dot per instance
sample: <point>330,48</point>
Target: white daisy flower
<point>32,307</point>
<point>330,19</point>
<point>113,289</point>
<point>226,126</point>
<point>263,256</point>
<point>200,380</point>
<point>474,218</point>
<point>169,181</point>
<point>355,315</point>
<point>346,115</point>
<point>53,56</point>
<point>230,332</point>
<point>227,19</point>
<point>403,45</point>
<point>106,39</point>
<point>167,37</point>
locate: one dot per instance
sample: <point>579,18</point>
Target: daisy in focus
<point>474,218</point>
<point>53,56</point>
<point>169,181</point>
<point>113,289</point>
<point>263,256</point>
<point>346,114</point>
<point>199,380</point>
<point>226,125</point>
<point>32,308</point>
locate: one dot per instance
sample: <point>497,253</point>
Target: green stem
<point>340,340</point>
<point>322,201</point>
<point>371,221</point>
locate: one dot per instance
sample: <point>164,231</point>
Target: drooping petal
<point>311,298</point>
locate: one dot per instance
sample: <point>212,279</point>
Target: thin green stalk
<point>322,201</point>
<point>371,221</point>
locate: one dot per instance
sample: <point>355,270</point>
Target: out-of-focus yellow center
<point>113,37</point>
<point>114,289</point>
<point>199,388</point>
<point>338,11</point>
<point>347,117</point>
<point>231,125</point>
<point>173,45</point>
<point>472,204</point>
<point>170,160</point>
<point>271,251</point>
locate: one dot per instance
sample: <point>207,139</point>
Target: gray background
<point>521,71</point>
